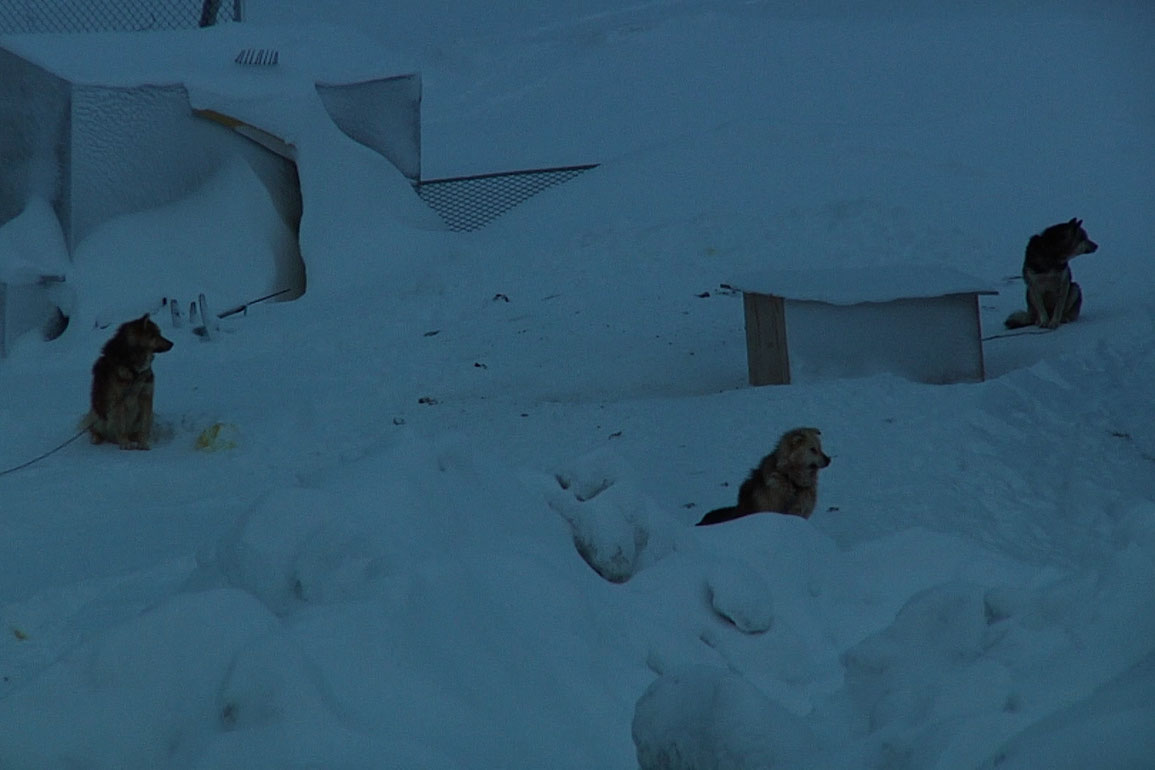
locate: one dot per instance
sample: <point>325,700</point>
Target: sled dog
<point>1052,297</point>
<point>122,385</point>
<point>786,481</point>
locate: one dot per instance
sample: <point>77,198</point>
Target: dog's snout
<point>1092,247</point>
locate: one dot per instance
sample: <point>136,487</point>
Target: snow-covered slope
<point>447,521</point>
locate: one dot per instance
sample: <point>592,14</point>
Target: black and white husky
<point>1052,296</point>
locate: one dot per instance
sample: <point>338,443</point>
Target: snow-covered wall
<point>137,148</point>
<point>34,128</point>
<point>33,262</point>
<point>97,152</point>
<point>383,114</point>
<point>225,239</point>
<point>103,127</point>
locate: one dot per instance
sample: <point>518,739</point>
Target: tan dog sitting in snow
<point>786,481</point>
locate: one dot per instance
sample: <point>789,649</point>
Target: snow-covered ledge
<point>917,321</point>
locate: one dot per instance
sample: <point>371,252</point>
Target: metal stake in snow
<point>209,326</point>
<point>262,57</point>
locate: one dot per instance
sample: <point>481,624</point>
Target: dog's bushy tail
<point>719,515</point>
<point>1019,319</point>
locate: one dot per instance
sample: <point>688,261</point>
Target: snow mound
<point>611,518</point>
<point>32,244</point>
<point>1118,715</point>
<point>704,718</point>
<point>930,664</point>
<point>300,546</point>
<point>143,694</point>
<point>953,669</point>
<point>33,262</point>
<point>273,713</point>
<point>738,593</point>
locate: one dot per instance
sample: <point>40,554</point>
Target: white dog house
<point>101,127</point>
<point>919,322</point>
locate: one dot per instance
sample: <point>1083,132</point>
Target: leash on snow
<point>1017,334</point>
<point>244,307</point>
<point>50,452</point>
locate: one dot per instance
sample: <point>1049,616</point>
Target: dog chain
<point>79,433</point>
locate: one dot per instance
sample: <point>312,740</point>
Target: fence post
<point>3,319</point>
<point>209,9</point>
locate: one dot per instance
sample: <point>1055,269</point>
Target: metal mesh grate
<point>471,202</point>
<point>30,16</point>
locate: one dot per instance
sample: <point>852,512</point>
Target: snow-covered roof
<point>324,54</point>
<point>852,285</point>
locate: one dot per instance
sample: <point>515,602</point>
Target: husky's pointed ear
<point>1075,222</point>
<point>142,319</point>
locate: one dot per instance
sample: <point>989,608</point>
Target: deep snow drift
<point>446,520</point>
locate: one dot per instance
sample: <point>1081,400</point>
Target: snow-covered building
<point>103,126</point>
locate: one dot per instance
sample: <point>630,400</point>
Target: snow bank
<point>299,546</point>
<point>739,594</point>
<point>1109,728</point>
<point>961,661</point>
<point>32,245</point>
<point>225,240</point>
<point>143,694</point>
<point>611,518</point>
<point>702,718</point>
<point>33,261</point>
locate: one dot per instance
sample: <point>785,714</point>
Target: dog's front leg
<point>1060,307</point>
<point>1039,305</point>
<point>144,436</point>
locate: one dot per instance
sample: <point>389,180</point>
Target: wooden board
<point>766,350</point>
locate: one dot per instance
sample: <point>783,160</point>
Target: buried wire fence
<point>34,16</point>
<point>471,202</point>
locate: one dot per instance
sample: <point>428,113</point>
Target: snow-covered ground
<point>447,521</point>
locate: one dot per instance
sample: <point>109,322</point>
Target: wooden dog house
<point>916,321</point>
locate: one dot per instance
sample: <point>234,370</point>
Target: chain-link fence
<point>26,16</point>
<point>471,202</point>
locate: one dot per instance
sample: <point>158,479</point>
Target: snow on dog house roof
<point>103,124</point>
<point>854,285</point>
